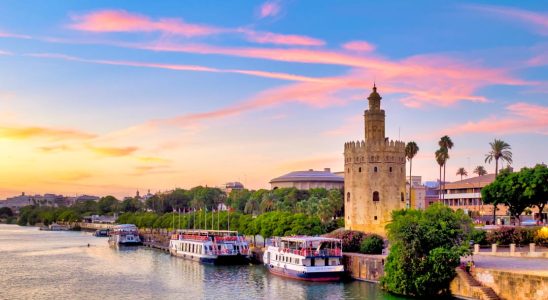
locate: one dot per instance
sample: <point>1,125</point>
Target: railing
<point>313,252</point>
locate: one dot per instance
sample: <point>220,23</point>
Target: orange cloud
<point>56,148</point>
<point>359,46</point>
<point>521,117</point>
<point>153,159</point>
<point>42,132</point>
<point>538,20</point>
<point>269,9</point>
<point>113,151</point>
<point>73,175</point>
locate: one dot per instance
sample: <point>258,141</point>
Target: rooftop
<point>473,182</point>
<point>310,175</point>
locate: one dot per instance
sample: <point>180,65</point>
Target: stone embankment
<point>364,267</point>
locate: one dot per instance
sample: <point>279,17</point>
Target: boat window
<point>312,262</point>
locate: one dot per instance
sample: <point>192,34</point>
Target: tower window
<point>401,196</point>
<point>348,170</point>
<point>375,169</point>
<point>360,169</point>
<point>375,218</point>
<point>391,169</point>
<point>376,196</point>
<point>348,197</point>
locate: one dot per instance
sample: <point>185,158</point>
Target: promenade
<point>522,265</point>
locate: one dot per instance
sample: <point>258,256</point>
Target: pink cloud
<point>521,117</point>
<point>123,21</point>
<point>359,46</point>
<point>175,67</point>
<point>269,9</point>
<point>280,39</point>
<point>4,34</point>
<point>538,20</point>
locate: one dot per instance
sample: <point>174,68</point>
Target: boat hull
<point>219,260</point>
<point>308,276</point>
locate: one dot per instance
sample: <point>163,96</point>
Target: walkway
<point>533,266</point>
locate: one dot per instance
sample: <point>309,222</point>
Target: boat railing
<point>313,252</point>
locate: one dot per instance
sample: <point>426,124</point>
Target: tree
<point>499,150</point>
<point>107,204</point>
<point>446,143</point>
<point>480,170</point>
<point>441,156</point>
<point>5,212</point>
<point>462,172</point>
<point>411,150</point>
<point>519,190</point>
<point>426,249</point>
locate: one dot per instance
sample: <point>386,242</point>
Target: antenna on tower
<point>399,139</point>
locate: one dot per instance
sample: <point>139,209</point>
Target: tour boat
<point>124,234</point>
<point>305,258</point>
<point>210,246</point>
<point>101,233</point>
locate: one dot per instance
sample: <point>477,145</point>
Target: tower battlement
<point>363,146</point>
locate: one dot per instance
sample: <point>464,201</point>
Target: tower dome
<point>374,99</point>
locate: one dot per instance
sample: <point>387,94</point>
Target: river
<point>38,264</point>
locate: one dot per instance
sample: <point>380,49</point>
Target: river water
<point>59,265</point>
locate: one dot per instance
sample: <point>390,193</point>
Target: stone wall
<point>364,267</point>
<point>513,286</point>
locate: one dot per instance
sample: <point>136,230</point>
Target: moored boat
<point>124,234</point>
<point>101,233</point>
<point>210,246</point>
<point>305,258</point>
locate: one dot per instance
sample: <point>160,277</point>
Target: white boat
<point>124,234</point>
<point>210,246</point>
<point>305,258</point>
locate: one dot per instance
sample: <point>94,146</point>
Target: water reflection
<point>60,265</point>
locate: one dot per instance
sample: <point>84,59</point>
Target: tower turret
<point>374,118</point>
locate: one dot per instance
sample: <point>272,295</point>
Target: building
<point>418,193</point>
<point>230,186</point>
<point>375,174</point>
<point>466,195</point>
<point>304,180</point>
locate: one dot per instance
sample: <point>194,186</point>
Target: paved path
<point>534,266</point>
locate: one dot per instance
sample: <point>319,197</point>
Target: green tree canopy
<point>426,248</point>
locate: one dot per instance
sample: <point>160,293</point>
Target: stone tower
<point>374,179</point>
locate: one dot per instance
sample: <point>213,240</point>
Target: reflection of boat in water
<point>305,258</point>
<point>101,233</point>
<point>54,227</point>
<point>210,246</point>
<point>124,234</point>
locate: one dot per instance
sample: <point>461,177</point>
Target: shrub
<point>541,236</point>
<point>479,236</point>
<point>351,239</point>
<point>372,244</point>
<point>511,235</point>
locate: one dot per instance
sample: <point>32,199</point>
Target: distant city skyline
<point>112,97</point>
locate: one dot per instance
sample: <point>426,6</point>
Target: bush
<point>541,236</point>
<point>512,235</point>
<point>372,244</point>
<point>479,236</point>
<point>426,246</point>
<point>351,239</point>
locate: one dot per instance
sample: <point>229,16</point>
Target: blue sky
<point>109,97</point>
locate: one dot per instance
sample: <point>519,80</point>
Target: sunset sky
<point>107,97</point>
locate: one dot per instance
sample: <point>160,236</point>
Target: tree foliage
<point>426,248</point>
<point>518,190</point>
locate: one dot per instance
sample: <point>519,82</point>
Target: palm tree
<point>441,157</point>
<point>445,143</point>
<point>462,172</point>
<point>499,150</point>
<point>411,150</point>
<point>480,170</point>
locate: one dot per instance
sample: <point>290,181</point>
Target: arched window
<point>348,197</point>
<point>360,169</point>
<point>375,169</point>
<point>348,170</point>
<point>390,169</point>
<point>402,197</point>
<point>376,196</point>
